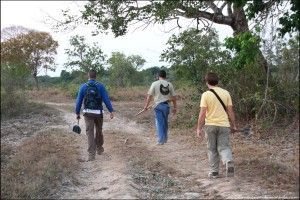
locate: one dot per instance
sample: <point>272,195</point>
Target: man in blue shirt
<point>91,94</point>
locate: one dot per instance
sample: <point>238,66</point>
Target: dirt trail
<point>133,166</point>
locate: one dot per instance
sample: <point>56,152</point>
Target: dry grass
<point>33,155</point>
<point>49,94</point>
<point>40,166</point>
<point>137,93</point>
<point>272,162</point>
<point>153,177</point>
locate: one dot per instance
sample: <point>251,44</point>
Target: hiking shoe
<point>91,158</point>
<point>100,150</point>
<point>229,169</point>
<point>213,175</point>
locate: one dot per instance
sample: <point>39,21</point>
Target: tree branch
<point>213,7</point>
<point>229,9</point>
<point>223,5</point>
<point>217,18</point>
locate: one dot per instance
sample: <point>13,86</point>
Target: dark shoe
<point>213,175</point>
<point>91,158</point>
<point>100,150</point>
<point>229,169</point>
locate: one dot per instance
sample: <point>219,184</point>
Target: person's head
<point>92,74</point>
<point>162,74</point>
<point>212,79</point>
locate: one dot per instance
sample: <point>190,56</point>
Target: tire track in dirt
<point>133,166</point>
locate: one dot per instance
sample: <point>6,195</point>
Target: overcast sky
<point>148,43</point>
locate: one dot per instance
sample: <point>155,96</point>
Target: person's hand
<point>174,110</point>
<point>233,129</point>
<point>200,133</point>
<point>111,115</point>
<point>78,116</point>
<point>145,108</point>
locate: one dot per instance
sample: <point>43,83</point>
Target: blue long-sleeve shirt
<point>102,92</point>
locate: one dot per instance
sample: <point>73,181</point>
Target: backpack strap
<point>219,99</point>
<point>89,84</point>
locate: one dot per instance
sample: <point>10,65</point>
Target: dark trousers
<point>94,140</point>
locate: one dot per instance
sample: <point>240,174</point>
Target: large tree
<point>84,56</point>
<point>13,31</point>
<point>119,15</point>
<point>193,53</point>
<point>123,69</point>
<point>33,50</point>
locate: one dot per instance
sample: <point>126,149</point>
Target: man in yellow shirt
<point>216,117</point>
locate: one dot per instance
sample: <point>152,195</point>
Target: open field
<point>133,166</point>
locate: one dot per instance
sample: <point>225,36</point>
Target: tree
<point>193,53</point>
<point>33,50</point>
<point>12,31</point>
<point>65,76</point>
<point>123,70</point>
<point>84,56</point>
<point>119,15</point>
<point>137,61</point>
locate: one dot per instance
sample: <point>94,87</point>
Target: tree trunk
<point>36,82</point>
<point>36,79</point>
<point>240,25</point>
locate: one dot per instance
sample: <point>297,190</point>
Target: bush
<point>12,104</point>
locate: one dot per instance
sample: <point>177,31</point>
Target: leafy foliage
<point>123,70</point>
<point>246,46</point>
<point>193,53</point>
<point>118,16</point>
<point>33,50</point>
<point>83,56</point>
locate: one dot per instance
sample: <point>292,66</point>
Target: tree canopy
<point>33,50</point>
<point>84,56</point>
<point>193,53</point>
<point>118,16</point>
<point>123,70</point>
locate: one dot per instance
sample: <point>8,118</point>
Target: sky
<point>148,43</point>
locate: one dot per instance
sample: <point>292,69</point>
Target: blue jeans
<point>161,121</point>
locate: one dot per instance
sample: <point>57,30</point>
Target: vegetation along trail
<point>133,166</point>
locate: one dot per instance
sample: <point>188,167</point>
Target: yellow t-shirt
<point>157,95</point>
<point>215,114</point>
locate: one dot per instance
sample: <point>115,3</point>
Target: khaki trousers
<point>218,146</point>
<point>94,140</point>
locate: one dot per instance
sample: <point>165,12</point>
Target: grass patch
<point>136,93</point>
<point>50,94</point>
<point>40,166</point>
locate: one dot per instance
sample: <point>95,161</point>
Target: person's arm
<point>106,101</point>
<point>147,102</point>
<point>231,117</point>
<point>173,98</point>
<point>149,97</point>
<point>79,100</point>
<point>174,105</point>
<point>201,122</point>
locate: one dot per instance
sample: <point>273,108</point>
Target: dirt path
<point>133,166</point>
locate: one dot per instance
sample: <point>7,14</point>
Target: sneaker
<point>100,150</point>
<point>91,158</point>
<point>229,169</point>
<point>213,175</point>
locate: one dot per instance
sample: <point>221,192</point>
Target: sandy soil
<point>133,166</point>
